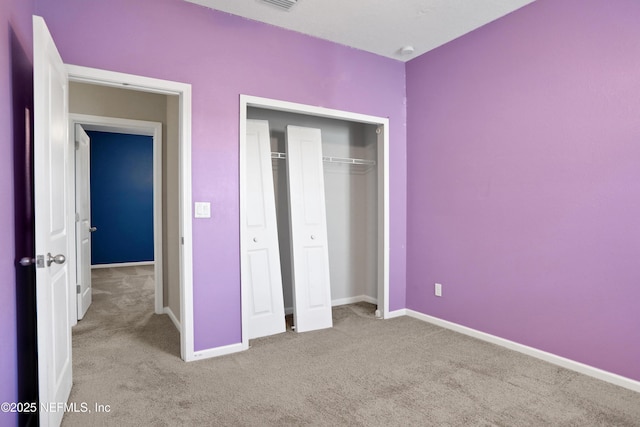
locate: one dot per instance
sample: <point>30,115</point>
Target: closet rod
<point>331,159</point>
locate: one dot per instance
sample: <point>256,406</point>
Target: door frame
<point>383,188</point>
<point>133,127</point>
<point>183,91</point>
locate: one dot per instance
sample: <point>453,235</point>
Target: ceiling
<point>382,27</point>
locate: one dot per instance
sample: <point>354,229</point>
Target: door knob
<point>26,261</point>
<point>92,229</point>
<point>58,259</point>
<point>255,239</point>
<point>313,237</point>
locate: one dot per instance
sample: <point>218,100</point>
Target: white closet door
<point>308,222</point>
<point>262,254</point>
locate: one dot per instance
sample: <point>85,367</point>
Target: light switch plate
<point>203,210</point>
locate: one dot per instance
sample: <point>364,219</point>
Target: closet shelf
<point>331,159</point>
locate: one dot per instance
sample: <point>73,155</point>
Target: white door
<point>261,267</point>
<point>83,222</point>
<point>51,153</point>
<point>308,222</point>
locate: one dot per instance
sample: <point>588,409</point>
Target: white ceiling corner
<point>382,27</point>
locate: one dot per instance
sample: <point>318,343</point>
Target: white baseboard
<point>123,264</point>
<point>353,300</point>
<point>396,313</point>
<point>173,318</point>
<point>600,374</point>
<point>218,351</point>
<point>343,301</point>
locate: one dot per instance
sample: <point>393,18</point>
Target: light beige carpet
<point>361,372</point>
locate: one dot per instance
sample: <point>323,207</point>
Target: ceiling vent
<point>281,4</point>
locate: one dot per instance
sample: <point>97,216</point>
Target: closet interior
<point>349,152</point>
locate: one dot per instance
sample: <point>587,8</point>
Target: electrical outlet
<point>438,289</point>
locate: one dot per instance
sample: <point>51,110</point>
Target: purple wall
<point>15,54</point>
<point>524,180</point>
<point>523,185</point>
<point>222,56</point>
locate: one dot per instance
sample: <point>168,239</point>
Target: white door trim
<point>183,91</point>
<point>383,186</point>
<point>136,127</point>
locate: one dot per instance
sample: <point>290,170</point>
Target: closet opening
<point>355,172</point>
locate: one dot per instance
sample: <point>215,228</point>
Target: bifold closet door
<point>262,274</point>
<point>308,223</point>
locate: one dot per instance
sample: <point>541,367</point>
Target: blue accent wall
<point>121,197</point>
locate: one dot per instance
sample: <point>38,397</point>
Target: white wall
<point>351,202</point>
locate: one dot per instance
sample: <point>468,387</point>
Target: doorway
<point>181,93</point>
<point>153,130</point>
<point>249,106</point>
